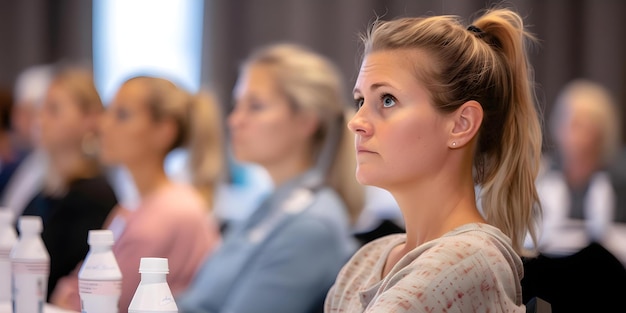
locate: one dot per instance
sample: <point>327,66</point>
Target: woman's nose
<point>234,118</point>
<point>359,124</point>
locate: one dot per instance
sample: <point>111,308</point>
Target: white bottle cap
<point>30,224</point>
<point>100,237</point>
<point>6,216</point>
<point>154,265</point>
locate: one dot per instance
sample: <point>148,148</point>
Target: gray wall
<point>578,38</point>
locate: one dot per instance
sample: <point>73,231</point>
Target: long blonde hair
<point>485,62</point>
<point>199,121</point>
<point>312,82</point>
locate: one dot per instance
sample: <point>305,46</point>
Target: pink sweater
<point>172,223</point>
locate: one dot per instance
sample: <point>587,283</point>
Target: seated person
<point>575,188</point>
<point>77,196</point>
<point>288,119</point>
<point>148,118</point>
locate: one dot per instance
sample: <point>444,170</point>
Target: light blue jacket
<point>284,258</point>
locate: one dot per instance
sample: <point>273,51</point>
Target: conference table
<point>5,307</point>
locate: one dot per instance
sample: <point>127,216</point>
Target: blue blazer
<point>284,258</point>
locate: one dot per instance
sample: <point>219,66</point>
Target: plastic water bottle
<point>30,263</point>
<point>100,278</point>
<point>8,238</point>
<point>153,293</point>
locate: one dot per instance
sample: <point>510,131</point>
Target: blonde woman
<point>443,107</point>
<point>576,189</point>
<point>76,195</point>
<point>289,119</point>
<point>148,118</point>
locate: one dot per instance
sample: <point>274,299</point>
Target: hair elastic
<point>477,31</point>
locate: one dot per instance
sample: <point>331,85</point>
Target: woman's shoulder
<point>177,198</point>
<point>375,250</point>
<point>473,246</point>
<point>94,193</point>
<point>175,204</point>
<point>476,238</point>
<point>97,187</point>
<point>366,264</point>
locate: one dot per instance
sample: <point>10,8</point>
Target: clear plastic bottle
<point>100,278</point>
<point>30,263</point>
<point>153,293</point>
<point>8,238</point>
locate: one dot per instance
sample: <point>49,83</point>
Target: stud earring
<point>454,143</point>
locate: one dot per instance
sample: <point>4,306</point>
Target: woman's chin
<point>365,179</point>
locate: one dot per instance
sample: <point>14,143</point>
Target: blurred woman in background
<point>148,118</point>
<point>576,190</point>
<point>76,196</point>
<point>289,118</point>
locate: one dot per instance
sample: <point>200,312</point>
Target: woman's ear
<point>164,134</point>
<point>467,120</point>
<point>308,124</point>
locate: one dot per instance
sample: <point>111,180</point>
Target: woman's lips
<point>361,149</point>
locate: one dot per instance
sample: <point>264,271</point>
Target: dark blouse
<point>67,221</point>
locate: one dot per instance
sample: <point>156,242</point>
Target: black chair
<point>591,280</point>
<point>538,305</point>
<point>384,228</point>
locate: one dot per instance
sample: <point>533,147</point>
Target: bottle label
<point>4,253</point>
<point>100,287</point>
<point>5,280</point>
<point>35,268</point>
<point>30,283</point>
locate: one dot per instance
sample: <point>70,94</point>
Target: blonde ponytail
<point>206,159</point>
<point>199,123</point>
<point>509,197</point>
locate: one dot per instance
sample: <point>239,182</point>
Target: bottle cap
<point>100,237</point>
<point>30,224</point>
<point>154,265</point>
<point>6,216</point>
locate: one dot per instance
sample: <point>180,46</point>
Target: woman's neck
<point>287,168</point>
<point>148,176</point>
<point>73,164</point>
<point>436,206</point>
<point>578,174</point>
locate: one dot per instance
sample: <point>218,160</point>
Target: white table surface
<point>5,307</point>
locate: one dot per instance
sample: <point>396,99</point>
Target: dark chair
<point>538,305</point>
<point>591,280</point>
<point>386,227</point>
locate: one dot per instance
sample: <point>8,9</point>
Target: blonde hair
<point>595,102</point>
<point>486,63</point>
<point>78,82</point>
<point>312,83</point>
<point>199,121</point>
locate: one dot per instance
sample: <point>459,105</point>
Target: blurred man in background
<point>26,178</point>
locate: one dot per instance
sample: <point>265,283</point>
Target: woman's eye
<point>122,115</point>
<point>388,101</point>
<point>255,107</point>
<point>358,103</point>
